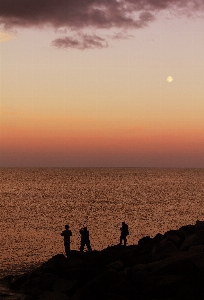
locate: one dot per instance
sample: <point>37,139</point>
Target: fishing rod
<point>87,215</point>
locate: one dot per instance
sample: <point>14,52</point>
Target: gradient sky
<point>84,83</point>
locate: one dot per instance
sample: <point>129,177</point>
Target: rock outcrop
<point>168,266</point>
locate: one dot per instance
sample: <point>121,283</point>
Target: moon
<point>169,79</point>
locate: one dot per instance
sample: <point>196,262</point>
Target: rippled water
<point>36,204</point>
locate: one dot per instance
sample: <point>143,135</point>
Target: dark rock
<point>4,294</point>
<point>168,266</point>
<point>196,249</point>
<point>158,237</point>
<point>54,265</point>
<point>34,294</point>
<point>187,229</point>
<point>193,240</point>
<point>146,240</point>
<point>74,262</point>
<point>175,265</point>
<point>47,281</point>
<point>163,249</point>
<point>163,286</point>
<point>17,283</point>
<point>7,280</point>
<point>176,237</point>
<point>32,284</point>
<point>197,260</point>
<point>187,292</point>
<point>176,240</point>
<point>143,257</point>
<point>178,264</point>
<point>138,279</point>
<point>64,285</point>
<point>108,285</point>
<point>116,265</point>
<point>199,225</point>
<point>48,295</point>
<point>36,273</point>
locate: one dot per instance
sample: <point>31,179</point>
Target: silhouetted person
<point>85,239</point>
<point>66,234</point>
<point>124,233</point>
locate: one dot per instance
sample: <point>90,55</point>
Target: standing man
<point>85,239</point>
<point>124,233</point>
<point>66,234</point>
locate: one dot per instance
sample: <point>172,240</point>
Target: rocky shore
<point>168,266</point>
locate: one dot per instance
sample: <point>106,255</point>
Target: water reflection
<point>37,203</point>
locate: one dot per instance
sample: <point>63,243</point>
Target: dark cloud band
<point>85,13</point>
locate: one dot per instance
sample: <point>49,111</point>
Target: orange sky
<point>99,95</point>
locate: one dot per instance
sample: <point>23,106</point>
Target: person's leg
<point>125,241</point>
<point>88,245</point>
<point>82,246</point>
<point>121,238</point>
<point>67,249</point>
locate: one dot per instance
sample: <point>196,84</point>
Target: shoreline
<point>167,266</point>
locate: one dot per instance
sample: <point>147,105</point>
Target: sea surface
<point>35,204</point>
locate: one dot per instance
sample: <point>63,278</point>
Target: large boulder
<point>165,278</point>
<point>196,249</point>
<point>199,225</point>
<point>195,239</point>
<point>53,265</point>
<point>187,230</point>
<point>65,285</point>
<point>145,241</point>
<point>74,262</point>
<point>47,281</point>
<point>34,293</point>
<point>163,249</point>
<point>116,265</point>
<point>56,295</point>
<point>176,240</point>
<point>8,295</point>
<point>178,264</point>
<point>141,255</point>
<point>189,292</point>
<point>198,261</point>
<point>16,283</point>
<point>163,286</point>
<point>176,237</point>
<point>108,285</point>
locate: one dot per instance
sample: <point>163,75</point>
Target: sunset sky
<point>83,83</point>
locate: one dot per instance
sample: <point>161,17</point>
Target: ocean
<point>36,203</point>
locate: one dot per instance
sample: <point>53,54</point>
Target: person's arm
<point>62,234</point>
<point>70,233</point>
